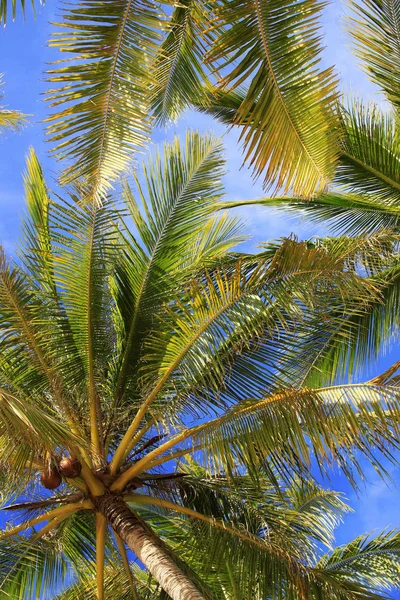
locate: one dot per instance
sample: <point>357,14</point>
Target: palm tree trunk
<point>149,549</point>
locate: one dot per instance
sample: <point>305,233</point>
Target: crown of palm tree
<point>170,368</point>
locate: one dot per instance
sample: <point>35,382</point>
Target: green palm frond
<point>175,231</point>
<point>101,96</point>
<point>343,214</point>
<point>357,337</point>
<point>287,116</point>
<point>242,562</point>
<point>369,159</point>
<point>371,561</point>
<point>285,431</point>
<point>36,238</point>
<point>31,570</point>
<point>9,119</point>
<point>262,300</point>
<point>375,30</point>
<point>367,180</point>
<point>179,72</point>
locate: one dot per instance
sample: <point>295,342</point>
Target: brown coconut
<point>69,467</point>
<point>51,479</point>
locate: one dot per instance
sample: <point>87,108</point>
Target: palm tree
<point>157,376</point>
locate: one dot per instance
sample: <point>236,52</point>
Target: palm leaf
<point>371,561</point>
<point>179,73</point>
<point>182,187</point>
<point>9,119</point>
<point>287,115</point>
<point>369,159</point>
<point>101,115</point>
<point>375,31</point>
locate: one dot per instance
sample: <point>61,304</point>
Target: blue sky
<point>23,55</point>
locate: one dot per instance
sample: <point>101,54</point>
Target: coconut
<point>70,467</point>
<point>51,478</point>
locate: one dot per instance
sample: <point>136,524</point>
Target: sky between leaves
<point>23,54</point>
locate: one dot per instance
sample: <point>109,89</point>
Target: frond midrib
<point>153,254</point>
<point>277,87</point>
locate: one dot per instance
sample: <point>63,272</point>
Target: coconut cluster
<point>68,467</point>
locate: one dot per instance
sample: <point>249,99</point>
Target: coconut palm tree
<point>154,378</point>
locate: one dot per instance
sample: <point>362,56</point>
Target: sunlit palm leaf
<point>179,70</point>
<point>375,29</point>
<point>369,162</point>
<point>100,97</point>
<point>287,115</point>
<point>172,214</point>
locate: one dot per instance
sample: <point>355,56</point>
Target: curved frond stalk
<point>278,567</point>
<point>82,267</point>
<point>101,113</point>
<point>343,214</point>
<point>56,512</point>
<point>223,303</point>
<point>278,431</point>
<point>375,32</point>
<point>182,188</point>
<point>179,72</point>
<point>287,116</point>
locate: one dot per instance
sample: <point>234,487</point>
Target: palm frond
<point>182,188</point>
<point>36,237</point>
<point>101,96</point>
<point>375,31</point>
<point>370,149</point>
<point>259,566</point>
<point>284,432</point>
<point>9,119</point>
<point>287,116</point>
<point>179,72</point>
<point>368,560</point>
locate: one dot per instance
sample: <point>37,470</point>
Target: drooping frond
<point>287,116</point>
<point>101,96</point>
<point>179,72</point>
<point>31,569</point>
<point>344,214</point>
<point>375,29</point>
<point>367,177</point>
<point>242,559</point>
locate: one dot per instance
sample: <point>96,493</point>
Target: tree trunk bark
<point>148,548</point>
